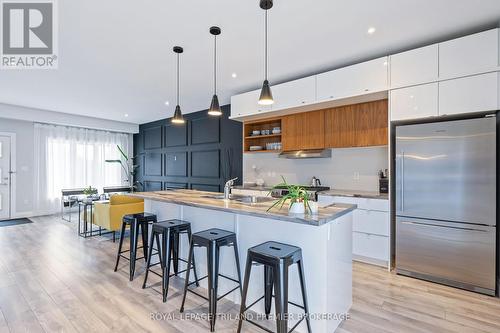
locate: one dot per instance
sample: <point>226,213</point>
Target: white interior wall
<point>25,178</point>
<point>340,171</point>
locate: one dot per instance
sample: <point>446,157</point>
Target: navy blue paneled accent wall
<point>201,154</point>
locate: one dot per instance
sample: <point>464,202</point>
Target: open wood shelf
<point>262,136</point>
<point>261,140</point>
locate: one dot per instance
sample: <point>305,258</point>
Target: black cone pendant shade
<point>266,96</point>
<point>214,109</point>
<point>178,118</point>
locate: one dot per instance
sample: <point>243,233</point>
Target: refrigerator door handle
<point>441,226</point>
<point>402,181</point>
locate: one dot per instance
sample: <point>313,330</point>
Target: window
<point>68,157</point>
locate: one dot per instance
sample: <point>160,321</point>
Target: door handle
<point>402,181</point>
<point>441,226</point>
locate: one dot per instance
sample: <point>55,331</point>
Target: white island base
<point>326,251</point>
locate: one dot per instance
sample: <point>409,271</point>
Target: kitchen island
<point>325,239</point>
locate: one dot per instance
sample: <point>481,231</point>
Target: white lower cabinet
<point>371,232</point>
<point>370,248</point>
<point>371,221</point>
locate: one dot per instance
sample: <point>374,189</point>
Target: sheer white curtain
<point>70,157</point>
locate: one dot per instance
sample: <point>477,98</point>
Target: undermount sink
<point>252,200</point>
<point>240,198</point>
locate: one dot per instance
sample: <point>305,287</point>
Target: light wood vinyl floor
<point>51,280</point>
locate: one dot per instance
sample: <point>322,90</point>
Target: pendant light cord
<point>265,66</point>
<point>177,78</point>
<point>215,65</point>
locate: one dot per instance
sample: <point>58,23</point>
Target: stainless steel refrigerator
<point>446,202</point>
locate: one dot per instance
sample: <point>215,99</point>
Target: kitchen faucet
<point>227,188</point>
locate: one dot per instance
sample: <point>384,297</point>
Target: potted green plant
<point>297,195</point>
<point>128,166</point>
<point>89,191</point>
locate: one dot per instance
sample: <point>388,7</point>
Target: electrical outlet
<point>355,176</point>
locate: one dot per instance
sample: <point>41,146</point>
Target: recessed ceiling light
<point>126,115</point>
<point>167,103</point>
<point>371,30</point>
<point>234,75</point>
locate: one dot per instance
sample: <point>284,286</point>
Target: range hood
<point>307,153</point>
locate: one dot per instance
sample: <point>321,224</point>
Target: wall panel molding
<point>201,154</point>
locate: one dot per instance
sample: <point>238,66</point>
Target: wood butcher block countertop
<point>205,200</point>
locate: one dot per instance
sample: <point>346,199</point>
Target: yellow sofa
<point>109,215</point>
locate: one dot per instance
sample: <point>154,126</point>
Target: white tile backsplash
<point>348,168</point>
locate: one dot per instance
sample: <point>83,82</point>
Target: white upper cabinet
<point>414,102</point>
<point>294,93</point>
<point>247,104</point>
<point>468,55</point>
<point>414,67</point>
<point>469,94</point>
<point>369,76</point>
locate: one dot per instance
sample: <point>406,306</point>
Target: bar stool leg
<point>186,283</point>
<point>213,274</point>
<point>248,269</point>
<point>148,262</point>
<point>281,299</point>
<point>145,245</point>
<point>268,289</point>
<point>134,230</point>
<point>122,236</point>
<point>238,268</point>
<point>304,293</point>
<point>194,263</point>
<point>175,252</point>
<point>166,248</point>
<point>158,248</point>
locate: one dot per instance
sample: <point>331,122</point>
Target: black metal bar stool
<point>276,258</point>
<point>169,231</point>
<point>136,222</point>
<point>213,240</point>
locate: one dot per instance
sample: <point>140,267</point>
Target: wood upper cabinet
<point>358,125</point>
<point>304,131</point>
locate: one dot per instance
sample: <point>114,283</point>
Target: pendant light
<point>178,118</point>
<point>214,109</point>
<point>266,96</point>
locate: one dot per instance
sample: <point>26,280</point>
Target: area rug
<point>8,223</point>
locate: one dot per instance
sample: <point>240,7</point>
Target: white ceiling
<point>115,56</point>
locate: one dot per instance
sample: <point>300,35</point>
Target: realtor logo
<point>28,34</point>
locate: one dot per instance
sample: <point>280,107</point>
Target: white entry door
<point>4,177</point>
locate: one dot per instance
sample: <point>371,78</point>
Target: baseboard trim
<point>371,261</point>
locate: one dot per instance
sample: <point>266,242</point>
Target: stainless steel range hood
<point>308,153</point>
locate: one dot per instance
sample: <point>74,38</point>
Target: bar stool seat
<point>137,222</point>
<point>169,231</point>
<point>212,239</point>
<point>277,258</point>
